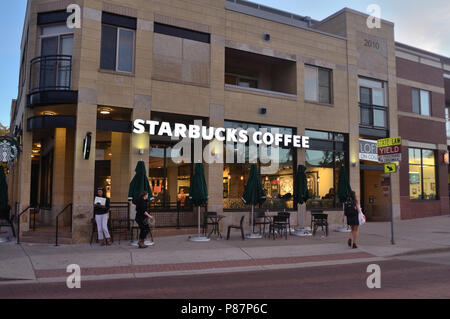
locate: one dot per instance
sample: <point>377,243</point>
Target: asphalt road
<point>426,276</point>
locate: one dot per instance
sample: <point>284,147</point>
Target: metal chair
<point>320,220</point>
<point>209,222</point>
<point>241,227</point>
<point>279,224</point>
<point>288,218</point>
<point>261,220</point>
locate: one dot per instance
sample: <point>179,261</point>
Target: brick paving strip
<point>55,273</point>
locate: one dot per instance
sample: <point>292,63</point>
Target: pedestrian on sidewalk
<point>352,209</point>
<point>142,218</point>
<point>101,217</point>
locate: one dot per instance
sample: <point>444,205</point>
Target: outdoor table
<point>215,219</point>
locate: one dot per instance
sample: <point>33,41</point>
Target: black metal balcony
<point>51,80</point>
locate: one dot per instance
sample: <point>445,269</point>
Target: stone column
<point>120,174</point>
<point>59,171</point>
<point>84,170</point>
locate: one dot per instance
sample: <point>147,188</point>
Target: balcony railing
<point>51,73</point>
<point>373,116</point>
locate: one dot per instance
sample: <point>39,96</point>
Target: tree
<point>3,130</point>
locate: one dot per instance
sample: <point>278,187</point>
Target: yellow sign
<point>390,168</point>
<point>393,141</point>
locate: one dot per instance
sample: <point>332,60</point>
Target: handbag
<point>361,217</point>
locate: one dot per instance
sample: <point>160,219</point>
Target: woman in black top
<point>101,218</point>
<point>142,217</point>
<point>353,221</point>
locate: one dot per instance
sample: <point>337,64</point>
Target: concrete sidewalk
<point>175,255</point>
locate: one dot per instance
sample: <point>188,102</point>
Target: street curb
<point>199,271</point>
<point>422,252</point>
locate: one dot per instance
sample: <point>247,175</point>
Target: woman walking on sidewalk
<point>101,211</point>
<point>142,218</point>
<point>352,209</point>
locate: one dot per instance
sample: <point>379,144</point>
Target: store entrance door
<point>375,193</point>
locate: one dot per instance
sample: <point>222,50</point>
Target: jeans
<point>145,228</point>
<point>102,226</point>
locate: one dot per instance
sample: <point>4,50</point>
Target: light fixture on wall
<point>141,151</point>
<point>105,111</point>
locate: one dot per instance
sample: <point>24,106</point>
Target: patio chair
<point>208,222</point>
<point>288,219</point>
<point>241,227</point>
<point>279,225</point>
<point>261,221</point>
<point>320,220</point>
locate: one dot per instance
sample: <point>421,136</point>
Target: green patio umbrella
<point>253,194</point>
<point>344,188</point>
<point>4,205</point>
<point>301,195</point>
<point>139,183</point>
<point>198,194</point>
<point>343,192</point>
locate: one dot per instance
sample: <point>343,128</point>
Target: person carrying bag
<point>143,218</point>
<point>355,217</point>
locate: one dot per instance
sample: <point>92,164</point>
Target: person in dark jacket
<point>353,219</point>
<point>101,218</point>
<point>142,218</point>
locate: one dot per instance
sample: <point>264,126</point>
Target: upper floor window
<point>56,40</point>
<point>118,43</point>
<point>421,101</point>
<point>318,84</point>
<point>373,103</point>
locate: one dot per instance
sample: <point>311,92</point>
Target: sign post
<point>390,150</point>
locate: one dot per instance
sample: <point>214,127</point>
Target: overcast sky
<point>420,23</point>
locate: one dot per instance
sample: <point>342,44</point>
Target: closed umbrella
<point>138,184</point>
<point>301,195</point>
<point>4,205</point>
<point>198,194</point>
<point>344,190</point>
<point>253,194</point>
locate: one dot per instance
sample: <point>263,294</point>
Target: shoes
<point>108,242</point>
<point>142,244</point>
<point>102,242</point>
<point>354,246</point>
<point>349,243</point>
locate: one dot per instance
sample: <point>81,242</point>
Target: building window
<point>447,121</point>
<point>318,84</point>
<point>278,184</point>
<point>422,174</point>
<point>238,80</point>
<point>421,101</point>
<point>117,47</point>
<point>328,152</point>
<point>373,103</point>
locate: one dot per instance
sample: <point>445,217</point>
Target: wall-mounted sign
<point>221,134</point>
<point>390,150</point>
<point>9,149</point>
<point>390,168</point>
<point>368,150</point>
<point>87,146</point>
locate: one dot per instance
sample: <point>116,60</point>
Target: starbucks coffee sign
<point>8,149</point>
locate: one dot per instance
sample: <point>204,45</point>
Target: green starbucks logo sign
<point>8,149</point>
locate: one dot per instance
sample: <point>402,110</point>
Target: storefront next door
<point>375,192</point>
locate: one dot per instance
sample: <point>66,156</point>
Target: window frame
<point>420,101</point>
<point>421,165</point>
<point>330,88</point>
<point>116,69</point>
